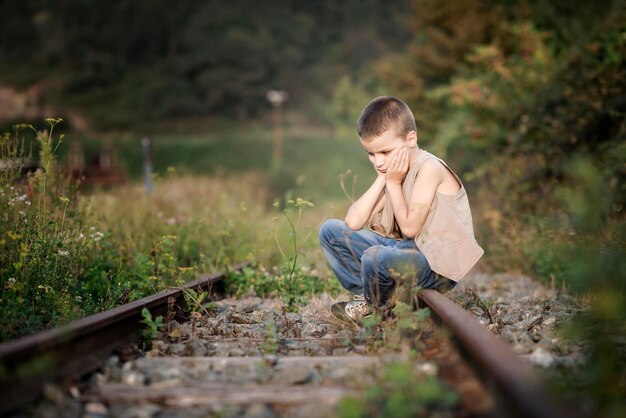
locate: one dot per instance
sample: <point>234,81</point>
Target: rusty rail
<point>71,351</point>
<point>496,364</point>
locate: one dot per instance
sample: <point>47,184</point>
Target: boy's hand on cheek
<point>398,166</point>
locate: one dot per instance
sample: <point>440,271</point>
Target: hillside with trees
<point>130,62</point>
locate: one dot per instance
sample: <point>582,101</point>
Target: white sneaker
<point>353,311</point>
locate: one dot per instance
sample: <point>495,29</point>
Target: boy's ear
<point>411,139</point>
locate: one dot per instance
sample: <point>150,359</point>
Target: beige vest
<point>447,236</point>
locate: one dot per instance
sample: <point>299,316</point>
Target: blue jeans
<point>372,265</point>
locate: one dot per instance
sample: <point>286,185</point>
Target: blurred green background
<point>524,99</point>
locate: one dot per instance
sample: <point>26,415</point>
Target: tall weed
<point>42,246</point>
<point>65,254</point>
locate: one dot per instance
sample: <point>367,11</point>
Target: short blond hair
<point>384,113</point>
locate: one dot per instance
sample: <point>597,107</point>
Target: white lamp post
<point>277,98</point>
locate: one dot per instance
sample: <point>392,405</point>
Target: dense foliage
<point>128,62</point>
<point>527,99</point>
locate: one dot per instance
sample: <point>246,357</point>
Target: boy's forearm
<point>400,209</point>
<point>360,211</point>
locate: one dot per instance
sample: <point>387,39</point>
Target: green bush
<point>401,393</point>
<point>595,266</point>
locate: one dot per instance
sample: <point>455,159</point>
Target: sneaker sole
<point>339,311</point>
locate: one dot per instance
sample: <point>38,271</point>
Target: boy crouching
<point>412,226</point>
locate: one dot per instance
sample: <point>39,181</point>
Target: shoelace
<point>357,308</point>
<point>358,298</point>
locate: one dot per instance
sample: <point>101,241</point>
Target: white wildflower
<point>64,253</point>
<point>79,299</point>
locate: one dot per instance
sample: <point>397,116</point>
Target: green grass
<point>67,253</point>
<point>312,165</point>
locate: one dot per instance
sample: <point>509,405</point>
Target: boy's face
<point>381,148</point>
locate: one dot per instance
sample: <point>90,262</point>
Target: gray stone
<point>270,360</point>
<point>112,361</point>
<point>549,321</point>
<point>237,352</point>
<point>292,374</point>
<point>198,349</point>
<point>132,377</point>
<point>178,349</point>
<point>99,378</point>
<point>241,319</point>
<point>74,392</point>
<point>53,393</point>
<point>495,328</point>
<point>535,335</point>
<point>426,368</point>
<point>314,330</point>
<point>530,323</point>
<point>96,408</point>
<point>541,358</point>
<point>569,362</point>
<point>361,349</point>
<point>219,349</point>
<point>311,348</point>
<point>259,410</point>
<point>140,411</point>
<point>311,410</point>
<point>520,340</point>
<point>249,308</point>
<point>339,351</point>
<point>508,334</point>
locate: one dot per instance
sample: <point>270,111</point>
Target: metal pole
<point>146,146</point>
<point>277,154</point>
<point>277,98</point>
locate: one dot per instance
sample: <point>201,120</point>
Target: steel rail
<point>496,364</point>
<point>71,351</point>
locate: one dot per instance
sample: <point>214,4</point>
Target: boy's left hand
<point>398,166</point>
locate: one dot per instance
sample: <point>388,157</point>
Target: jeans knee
<point>376,279</point>
<point>382,259</point>
<point>372,257</point>
<point>330,229</point>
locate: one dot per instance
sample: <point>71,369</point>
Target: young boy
<point>413,226</point>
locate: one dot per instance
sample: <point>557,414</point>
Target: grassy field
<point>312,164</point>
<point>69,252</point>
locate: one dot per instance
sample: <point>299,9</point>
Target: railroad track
<point>251,358</point>
<point>68,352</point>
